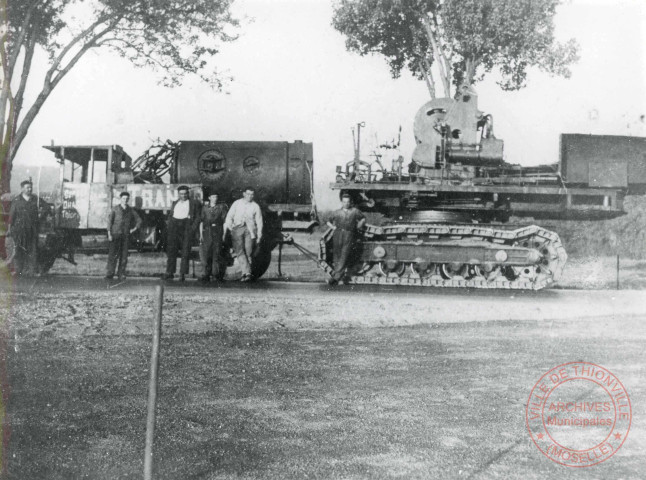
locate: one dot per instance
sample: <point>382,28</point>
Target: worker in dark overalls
<point>24,222</point>
<point>122,222</point>
<point>211,239</point>
<point>346,223</point>
<point>183,218</point>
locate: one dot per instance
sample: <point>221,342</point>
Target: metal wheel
<point>527,272</point>
<point>423,269</point>
<point>452,270</point>
<point>509,272</point>
<point>474,271</point>
<point>391,267</point>
<point>494,274</point>
<point>366,269</point>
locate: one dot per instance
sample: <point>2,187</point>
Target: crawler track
<point>459,256</point>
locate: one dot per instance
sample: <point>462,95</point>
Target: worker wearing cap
<point>24,224</point>
<point>122,221</point>
<point>212,221</point>
<point>245,222</point>
<point>183,218</point>
<point>345,222</point>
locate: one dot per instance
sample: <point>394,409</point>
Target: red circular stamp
<point>578,414</point>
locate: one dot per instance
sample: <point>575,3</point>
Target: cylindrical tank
<point>279,171</point>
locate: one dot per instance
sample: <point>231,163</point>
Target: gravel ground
<point>274,381</point>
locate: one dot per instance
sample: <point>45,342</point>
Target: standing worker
<point>245,222</point>
<point>182,223</point>
<point>345,222</point>
<point>24,224</point>
<point>122,221</point>
<point>211,239</point>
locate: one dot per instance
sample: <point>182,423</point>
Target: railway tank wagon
<point>91,177</point>
<point>280,172</point>
<point>446,212</point>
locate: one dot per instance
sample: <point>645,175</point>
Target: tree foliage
<point>174,37</point>
<point>464,39</point>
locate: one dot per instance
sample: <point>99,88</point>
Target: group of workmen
<point>186,216</point>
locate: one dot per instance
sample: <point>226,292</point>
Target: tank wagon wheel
<point>261,258</point>
<point>389,267</point>
<point>46,261</point>
<point>260,262</point>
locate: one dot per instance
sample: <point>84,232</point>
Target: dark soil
<point>440,400</point>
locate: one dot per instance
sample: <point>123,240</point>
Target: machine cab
<point>87,174</point>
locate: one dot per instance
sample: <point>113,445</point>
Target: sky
<point>294,80</point>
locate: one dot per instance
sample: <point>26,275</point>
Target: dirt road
<point>267,304</point>
<point>275,380</point>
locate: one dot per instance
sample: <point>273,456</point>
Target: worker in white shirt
<point>183,218</point>
<point>244,220</point>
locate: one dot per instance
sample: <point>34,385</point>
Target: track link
<point>544,253</point>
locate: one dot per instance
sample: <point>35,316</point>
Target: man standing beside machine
<point>122,221</point>
<point>183,218</point>
<point>346,222</point>
<point>24,223</point>
<point>244,220</point>
<point>211,239</point>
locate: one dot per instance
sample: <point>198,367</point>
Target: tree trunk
<point>6,136</point>
<point>21,133</point>
<point>425,68</point>
<point>470,71</point>
<point>5,175</point>
<point>439,57</point>
<point>20,93</point>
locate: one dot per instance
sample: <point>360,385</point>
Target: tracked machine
<point>445,216</point>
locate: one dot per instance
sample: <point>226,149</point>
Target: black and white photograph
<point>331,239</point>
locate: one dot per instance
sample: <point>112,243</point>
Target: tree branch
<point>5,127</point>
<point>73,42</point>
<point>442,48</point>
<point>26,67</point>
<point>151,60</point>
<point>24,32</point>
<point>50,83</point>
<point>5,96</point>
<point>6,85</point>
<point>91,43</point>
